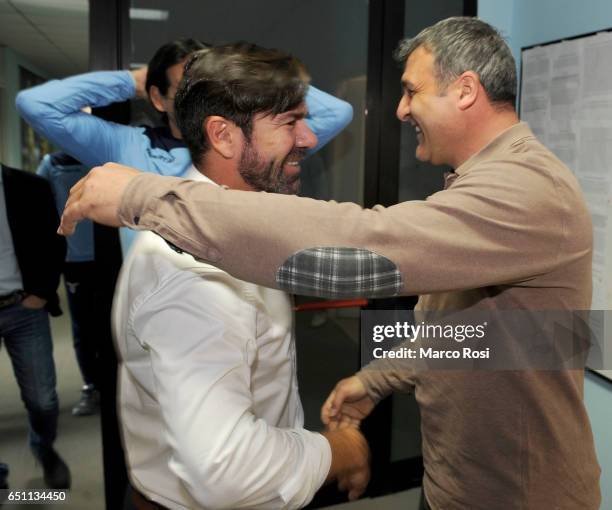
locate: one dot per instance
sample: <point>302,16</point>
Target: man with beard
<point>210,411</point>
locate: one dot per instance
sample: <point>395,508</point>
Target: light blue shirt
<point>10,275</point>
<point>63,172</point>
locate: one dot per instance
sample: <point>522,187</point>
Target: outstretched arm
<point>327,115</point>
<point>328,249</point>
<point>53,109</point>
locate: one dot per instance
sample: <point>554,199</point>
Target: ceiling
<point>52,35</point>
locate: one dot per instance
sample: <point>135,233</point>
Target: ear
<point>468,89</point>
<point>223,136</point>
<point>157,99</point>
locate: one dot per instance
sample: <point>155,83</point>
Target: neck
<point>175,131</point>
<point>222,171</point>
<point>482,131</point>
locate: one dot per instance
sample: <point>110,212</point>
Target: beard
<point>267,176</point>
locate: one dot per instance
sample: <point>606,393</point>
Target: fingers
<point>336,398</point>
<point>333,414</point>
<point>70,217</point>
<point>97,196</point>
<point>333,425</point>
<point>359,483</point>
<point>327,412</point>
<point>72,210</point>
<point>348,421</point>
<point>343,407</point>
<point>355,483</point>
<point>356,492</point>
<point>343,422</point>
<point>340,395</point>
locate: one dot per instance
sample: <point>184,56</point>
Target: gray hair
<point>462,44</point>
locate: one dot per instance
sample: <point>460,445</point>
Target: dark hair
<point>462,44</point>
<point>235,81</point>
<point>168,55</point>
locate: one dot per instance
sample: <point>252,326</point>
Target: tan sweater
<point>511,231</point>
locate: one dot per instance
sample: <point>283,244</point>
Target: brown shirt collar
<point>508,138</point>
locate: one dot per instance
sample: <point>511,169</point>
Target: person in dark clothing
<point>31,258</point>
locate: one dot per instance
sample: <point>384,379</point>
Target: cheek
<point>267,144</point>
<point>283,147</point>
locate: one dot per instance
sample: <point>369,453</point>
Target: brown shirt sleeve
<point>501,222</point>
<point>498,223</point>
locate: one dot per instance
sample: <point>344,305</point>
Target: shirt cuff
<point>375,383</point>
<point>316,463</point>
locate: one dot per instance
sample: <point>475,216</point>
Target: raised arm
<point>53,109</point>
<point>327,115</point>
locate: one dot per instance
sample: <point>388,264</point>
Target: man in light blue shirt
<point>63,171</point>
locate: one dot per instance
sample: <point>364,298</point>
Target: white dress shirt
<point>209,405</point>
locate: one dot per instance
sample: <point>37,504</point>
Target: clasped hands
<point>342,412</point>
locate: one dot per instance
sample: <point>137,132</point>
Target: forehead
<point>419,67</point>
<point>298,112</point>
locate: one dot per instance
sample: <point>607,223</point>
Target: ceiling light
<point>148,14</point>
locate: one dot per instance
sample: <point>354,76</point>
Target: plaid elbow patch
<point>339,273</point>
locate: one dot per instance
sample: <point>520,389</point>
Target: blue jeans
<point>27,337</point>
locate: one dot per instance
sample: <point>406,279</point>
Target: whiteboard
<point>566,98</point>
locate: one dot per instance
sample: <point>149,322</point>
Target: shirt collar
<point>195,175</point>
<point>510,137</point>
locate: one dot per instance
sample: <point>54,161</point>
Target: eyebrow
<point>407,84</point>
<point>296,114</point>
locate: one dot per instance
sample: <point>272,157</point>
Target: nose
<point>304,137</point>
<point>403,108</point>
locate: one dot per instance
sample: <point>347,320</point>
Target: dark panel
<point>470,7</point>
<point>383,92</point>
<point>373,100</point>
<point>109,41</point>
<point>109,44</point>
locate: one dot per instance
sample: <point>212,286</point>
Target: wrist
<point>349,451</point>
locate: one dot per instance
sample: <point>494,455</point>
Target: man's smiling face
<point>271,158</point>
<point>428,108</point>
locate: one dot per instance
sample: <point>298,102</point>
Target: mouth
<point>291,175</point>
<point>292,170</point>
<point>293,161</point>
<point>418,130</point>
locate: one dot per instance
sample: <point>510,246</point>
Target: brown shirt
<point>511,231</point>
